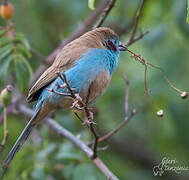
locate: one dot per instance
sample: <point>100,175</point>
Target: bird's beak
<point>122,47</point>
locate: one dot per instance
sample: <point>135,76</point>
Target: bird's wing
<point>64,60</point>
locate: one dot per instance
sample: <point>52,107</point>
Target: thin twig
<point>126,119</point>
<point>126,94</point>
<point>140,36</point>
<point>5,136</point>
<point>145,80</point>
<point>122,124</point>
<point>5,127</point>
<point>76,141</point>
<point>105,13</point>
<point>96,138</point>
<point>11,107</point>
<point>136,21</point>
<point>144,62</point>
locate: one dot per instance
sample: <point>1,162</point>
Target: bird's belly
<point>98,87</point>
<point>89,91</point>
<point>66,103</point>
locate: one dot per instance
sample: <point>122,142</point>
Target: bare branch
<point>105,13</point>
<point>126,94</point>
<point>139,58</point>
<point>136,21</point>
<point>141,35</point>
<point>122,124</point>
<point>73,139</point>
<point>127,117</point>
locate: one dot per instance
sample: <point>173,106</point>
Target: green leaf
<point>68,170</point>
<point>4,41</point>
<point>23,59</point>
<point>1,171</point>
<point>38,173</point>
<point>91,4</point>
<point>187,19</point>
<point>4,51</point>
<point>43,154</point>
<point>4,69</point>
<point>20,37</point>
<point>23,72</point>
<point>22,49</point>
<point>84,172</point>
<point>2,32</point>
<point>67,151</point>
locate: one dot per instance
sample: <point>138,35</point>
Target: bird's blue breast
<point>83,73</point>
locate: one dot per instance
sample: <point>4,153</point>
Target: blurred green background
<point>146,139</point>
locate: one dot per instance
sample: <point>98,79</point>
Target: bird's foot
<point>77,102</point>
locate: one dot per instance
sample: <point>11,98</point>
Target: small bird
<point>87,63</point>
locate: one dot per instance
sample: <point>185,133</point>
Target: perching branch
<point>81,30</point>
<point>50,58</point>
<point>76,141</point>
<point>80,105</point>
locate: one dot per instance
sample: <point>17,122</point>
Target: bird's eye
<point>115,41</point>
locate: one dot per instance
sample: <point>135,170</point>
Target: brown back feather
<point>68,55</point>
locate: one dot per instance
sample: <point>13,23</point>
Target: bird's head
<point>105,38</point>
<point>114,44</point>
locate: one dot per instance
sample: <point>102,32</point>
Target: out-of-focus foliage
<point>91,4</point>
<point>14,52</point>
<point>49,156</point>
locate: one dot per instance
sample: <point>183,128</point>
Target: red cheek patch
<point>112,45</point>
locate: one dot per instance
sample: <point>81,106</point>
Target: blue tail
<point>20,141</point>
